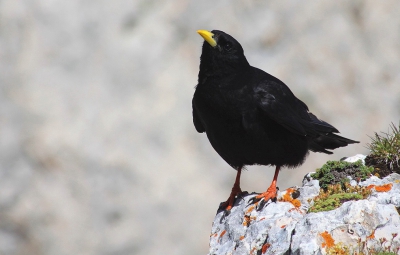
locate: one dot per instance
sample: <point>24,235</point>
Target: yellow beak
<point>208,36</point>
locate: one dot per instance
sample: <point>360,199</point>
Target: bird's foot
<point>265,197</point>
<point>228,204</point>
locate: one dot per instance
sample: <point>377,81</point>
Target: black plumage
<point>251,117</point>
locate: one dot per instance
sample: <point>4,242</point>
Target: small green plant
<point>334,196</point>
<point>334,172</point>
<point>338,249</point>
<point>385,151</point>
<point>341,249</point>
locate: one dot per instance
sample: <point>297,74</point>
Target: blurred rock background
<point>98,153</point>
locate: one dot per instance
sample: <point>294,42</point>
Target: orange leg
<point>271,191</point>
<point>236,190</point>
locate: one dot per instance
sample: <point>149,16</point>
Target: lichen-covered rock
<point>286,227</point>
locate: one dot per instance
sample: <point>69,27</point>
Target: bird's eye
<point>227,46</point>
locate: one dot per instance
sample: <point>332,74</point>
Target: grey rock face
<point>285,227</point>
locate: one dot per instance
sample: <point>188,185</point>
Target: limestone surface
<point>285,226</point>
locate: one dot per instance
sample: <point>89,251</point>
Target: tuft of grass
<point>385,149</point>
<point>334,172</point>
<point>334,196</point>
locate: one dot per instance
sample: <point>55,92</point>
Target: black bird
<point>250,117</point>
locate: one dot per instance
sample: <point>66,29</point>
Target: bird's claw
<point>253,200</point>
<point>224,215</point>
<point>228,204</point>
<point>263,199</point>
<point>226,208</point>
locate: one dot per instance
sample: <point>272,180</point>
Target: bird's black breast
<point>240,132</point>
<point>220,111</point>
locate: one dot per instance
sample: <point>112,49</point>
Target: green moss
<point>334,201</point>
<point>334,196</point>
<point>334,172</point>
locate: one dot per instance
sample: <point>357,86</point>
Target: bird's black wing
<point>278,103</point>
<point>196,120</point>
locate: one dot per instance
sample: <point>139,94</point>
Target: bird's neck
<point>217,71</point>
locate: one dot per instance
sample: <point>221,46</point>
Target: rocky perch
<point>368,224</point>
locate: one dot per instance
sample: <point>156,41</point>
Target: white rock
<point>355,158</point>
<point>281,228</point>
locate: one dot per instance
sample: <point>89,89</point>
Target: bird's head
<point>221,52</point>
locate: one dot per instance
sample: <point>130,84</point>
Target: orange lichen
<point>222,234</point>
<point>382,188</point>
<point>246,221</point>
<point>283,226</point>
<point>329,241</point>
<point>287,197</point>
<point>251,208</point>
<point>265,248</point>
<point>372,235</point>
<point>296,203</point>
<point>241,238</point>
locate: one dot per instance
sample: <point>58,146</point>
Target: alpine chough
<point>251,117</point>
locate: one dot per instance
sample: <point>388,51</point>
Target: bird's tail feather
<point>328,141</point>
